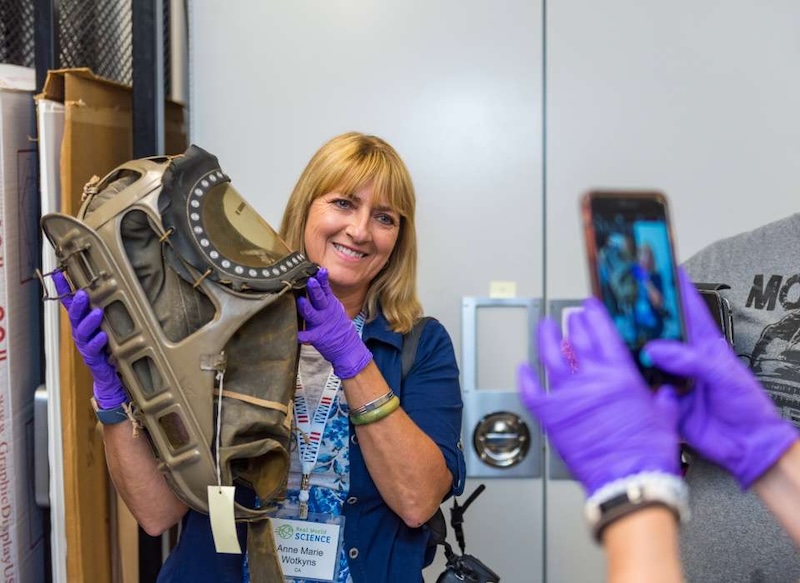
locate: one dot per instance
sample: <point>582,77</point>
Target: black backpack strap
<point>437,523</point>
<point>410,342</point>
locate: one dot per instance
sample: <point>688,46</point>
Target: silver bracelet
<point>372,405</point>
<point>631,493</point>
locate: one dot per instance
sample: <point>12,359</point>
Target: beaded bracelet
<point>378,413</point>
<point>374,404</point>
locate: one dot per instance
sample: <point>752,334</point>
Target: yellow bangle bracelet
<point>378,413</point>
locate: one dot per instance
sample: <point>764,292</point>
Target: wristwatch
<point>625,496</point>
<point>110,416</point>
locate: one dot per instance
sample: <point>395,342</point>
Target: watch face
<point>618,500</point>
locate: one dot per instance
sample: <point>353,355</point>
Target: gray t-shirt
<point>732,537</point>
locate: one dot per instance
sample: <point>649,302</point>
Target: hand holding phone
<point>633,271</point>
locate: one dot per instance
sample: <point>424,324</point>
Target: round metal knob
<point>501,439</point>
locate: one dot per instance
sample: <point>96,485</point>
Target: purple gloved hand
<point>600,414</point>
<point>91,343</point>
<point>727,417</point>
<point>329,330</point>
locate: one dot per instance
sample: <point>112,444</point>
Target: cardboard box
<point>97,137</point>
<point>22,543</point>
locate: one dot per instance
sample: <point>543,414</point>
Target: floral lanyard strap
<point>310,428</point>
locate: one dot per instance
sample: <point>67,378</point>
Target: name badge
<point>308,549</point>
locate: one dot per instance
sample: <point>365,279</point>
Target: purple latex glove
<point>91,343</point>
<point>329,330</point>
<point>727,417</point>
<point>600,414</point>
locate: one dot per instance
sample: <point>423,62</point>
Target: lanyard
<point>310,428</point>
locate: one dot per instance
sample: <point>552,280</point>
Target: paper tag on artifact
<point>223,523</point>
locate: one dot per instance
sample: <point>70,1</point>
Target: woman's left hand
<point>329,330</point>
<point>727,416</point>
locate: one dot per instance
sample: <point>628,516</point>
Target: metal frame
<point>46,41</point>
<point>479,403</point>
<point>148,78</point>
<point>148,140</point>
<point>556,468</point>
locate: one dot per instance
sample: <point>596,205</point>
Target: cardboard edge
<point>53,89</point>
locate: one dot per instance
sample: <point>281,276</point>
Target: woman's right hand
<point>600,414</point>
<point>91,342</point>
<point>727,416</point>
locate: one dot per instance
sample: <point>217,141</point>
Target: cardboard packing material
<point>97,137</point>
<point>21,526</point>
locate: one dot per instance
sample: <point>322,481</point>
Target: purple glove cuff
<point>763,450</point>
<point>356,362</point>
<point>109,394</point>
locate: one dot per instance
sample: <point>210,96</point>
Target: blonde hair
<point>346,164</point>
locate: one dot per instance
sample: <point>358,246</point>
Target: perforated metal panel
<point>89,33</point>
<point>16,32</point>
<point>97,34</point>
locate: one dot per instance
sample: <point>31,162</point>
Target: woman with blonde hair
<point>392,446</point>
<point>346,164</point>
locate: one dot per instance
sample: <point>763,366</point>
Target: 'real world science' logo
<point>285,531</point>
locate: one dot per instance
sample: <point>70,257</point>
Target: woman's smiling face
<point>353,236</point>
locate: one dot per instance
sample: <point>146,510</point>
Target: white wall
<point>698,99</point>
<point>453,85</point>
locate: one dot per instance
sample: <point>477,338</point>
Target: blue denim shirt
<point>379,545</point>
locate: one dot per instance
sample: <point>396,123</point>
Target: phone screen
<point>632,265</point>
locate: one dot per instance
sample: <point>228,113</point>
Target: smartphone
<point>633,271</point>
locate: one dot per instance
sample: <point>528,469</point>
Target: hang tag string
<point>220,379</point>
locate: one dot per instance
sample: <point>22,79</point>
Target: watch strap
<point>633,493</point>
<point>111,416</point>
